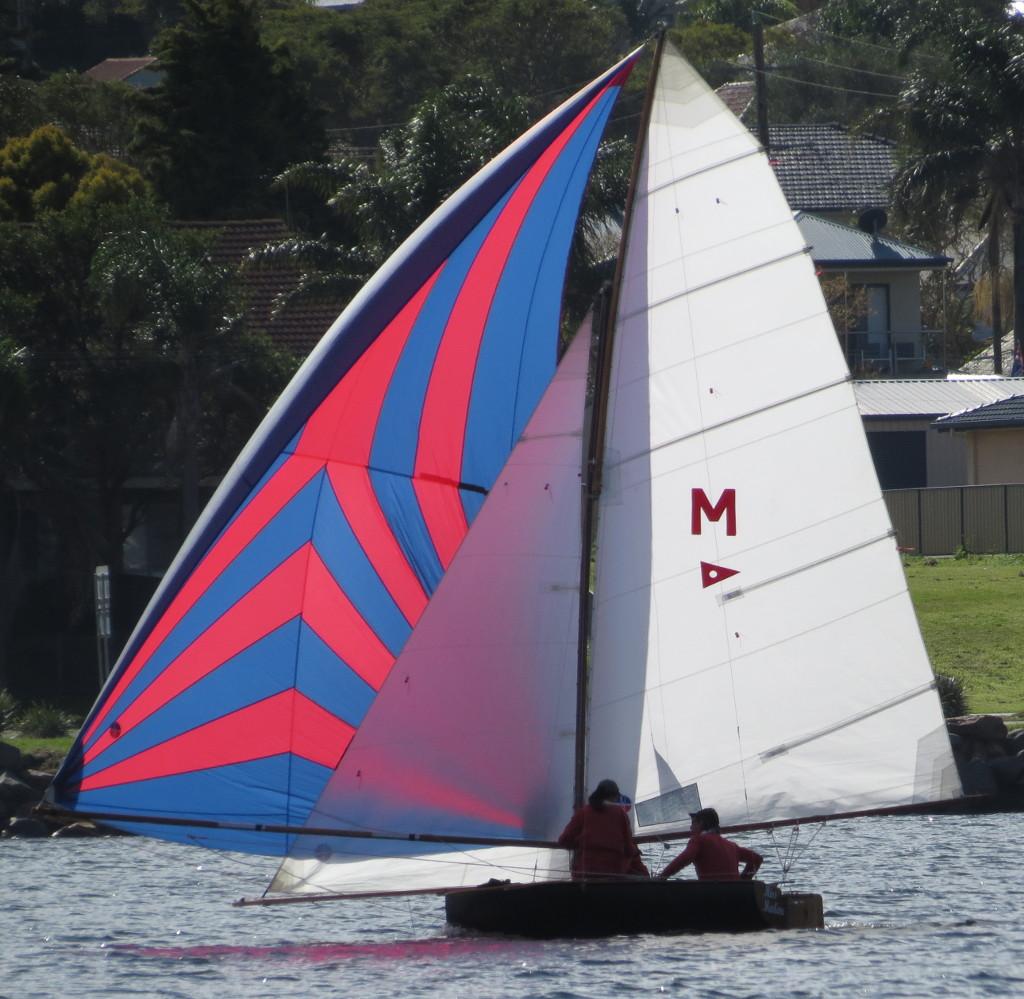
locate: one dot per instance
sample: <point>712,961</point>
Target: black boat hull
<point>607,908</point>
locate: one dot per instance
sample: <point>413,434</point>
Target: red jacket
<point>715,858</point>
<point>602,841</point>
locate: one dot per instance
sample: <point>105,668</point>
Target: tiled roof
<point>836,245</point>
<point>111,70</point>
<point>994,416</point>
<point>822,168</point>
<point>737,96</point>
<point>930,397</point>
<point>300,325</point>
<point>983,363</point>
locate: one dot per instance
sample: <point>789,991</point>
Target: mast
<point>594,440</point>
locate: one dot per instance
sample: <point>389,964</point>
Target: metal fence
<point>940,521</point>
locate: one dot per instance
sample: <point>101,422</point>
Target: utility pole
<point>993,276</point>
<point>760,86</point>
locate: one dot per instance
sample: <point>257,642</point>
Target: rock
<point>986,727</point>
<point>45,759</point>
<point>977,777</point>
<point>77,830</point>
<point>10,757</point>
<point>38,779</point>
<point>26,828</point>
<point>13,790</point>
<point>1007,770</point>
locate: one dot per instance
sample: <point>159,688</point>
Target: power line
<point>843,38</point>
<point>823,86</point>
<point>851,69</point>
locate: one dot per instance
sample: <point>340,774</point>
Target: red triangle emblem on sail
<point>711,573</point>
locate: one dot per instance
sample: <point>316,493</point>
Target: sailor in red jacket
<point>601,838</point>
<point>714,857</point>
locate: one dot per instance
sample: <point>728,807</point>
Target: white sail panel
<point>473,732</point>
<point>751,617</point>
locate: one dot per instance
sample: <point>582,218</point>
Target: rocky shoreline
<point>24,777</point>
<point>989,759</point>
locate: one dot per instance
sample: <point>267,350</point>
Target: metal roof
<point>836,245</point>
<point>822,168</point>
<point>993,416</point>
<point>930,397</point>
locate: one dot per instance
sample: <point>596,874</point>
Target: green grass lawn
<point>971,612</point>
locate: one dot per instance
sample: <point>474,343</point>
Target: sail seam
<point>732,419</point>
<point>846,723</point>
<point>824,560</point>
<point>443,480</point>
<point>650,306</point>
<point>697,173</point>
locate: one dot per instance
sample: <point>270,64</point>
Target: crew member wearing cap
<point>601,838</point>
<point>714,857</point>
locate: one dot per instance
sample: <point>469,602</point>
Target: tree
<point>124,347</point>
<point>372,206</point>
<point>228,116</point>
<point>158,287</point>
<point>713,49</point>
<point>738,12</point>
<point>45,171</point>
<point>962,117</point>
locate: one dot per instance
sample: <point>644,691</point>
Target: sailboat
<point>371,656</point>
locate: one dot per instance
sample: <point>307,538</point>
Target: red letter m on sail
<point>702,505</point>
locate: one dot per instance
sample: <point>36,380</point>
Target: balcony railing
<point>894,353</point>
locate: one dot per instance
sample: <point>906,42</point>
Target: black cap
<point>606,790</point>
<point>707,817</point>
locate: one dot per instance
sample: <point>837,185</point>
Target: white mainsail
<point>473,732</point>
<point>753,643</point>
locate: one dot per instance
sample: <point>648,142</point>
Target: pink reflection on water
<point>440,949</point>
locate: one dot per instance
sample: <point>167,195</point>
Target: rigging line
<point>893,702</point>
<point>686,292</point>
<point>731,420</point>
<point>852,69</point>
<point>841,38</point>
<point>827,86</point>
<point>704,169</point>
<point>793,849</point>
<point>824,560</point>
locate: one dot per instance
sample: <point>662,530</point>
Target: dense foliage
<point>124,354</point>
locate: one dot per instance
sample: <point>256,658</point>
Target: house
<point>994,437</point>
<point>830,178</point>
<point>825,170</point>
<point>882,277</point>
<point>299,326</point>
<point>900,420</point>
<point>140,72</point>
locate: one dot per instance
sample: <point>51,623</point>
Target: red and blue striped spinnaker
<point>279,621</point>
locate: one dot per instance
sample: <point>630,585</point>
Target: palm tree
<point>962,112</point>
<point>372,205</point>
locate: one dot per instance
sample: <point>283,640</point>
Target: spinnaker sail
<point>282,617</point>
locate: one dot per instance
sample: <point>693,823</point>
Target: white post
<point>101,592</point>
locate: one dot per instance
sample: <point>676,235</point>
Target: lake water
<point>914,906</point>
